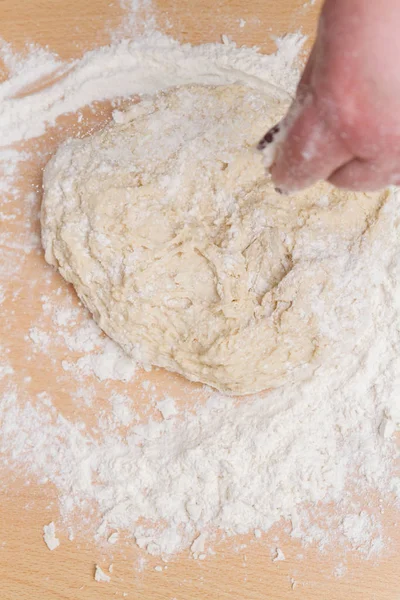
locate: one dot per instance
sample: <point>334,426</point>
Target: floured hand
<point>344,124</point>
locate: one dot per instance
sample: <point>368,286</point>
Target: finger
<point>362,175</point>
<point>310,151</point>
<point>305,80</point>
<point>274,135</point>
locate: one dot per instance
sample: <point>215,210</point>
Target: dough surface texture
<point>177,242</point>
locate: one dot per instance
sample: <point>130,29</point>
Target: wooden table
<point>28,571</point>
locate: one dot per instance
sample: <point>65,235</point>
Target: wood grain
<point>28,571</point>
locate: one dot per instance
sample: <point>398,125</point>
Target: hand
<point>344,124</point>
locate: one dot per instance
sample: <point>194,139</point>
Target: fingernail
<point>268,137</point>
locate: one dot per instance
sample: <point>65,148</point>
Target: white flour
<point>174,478</point>
<point>144,65</point>
<point>100,576</point>
<point>49,536</point>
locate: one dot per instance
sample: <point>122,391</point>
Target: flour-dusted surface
<point>299,452</point>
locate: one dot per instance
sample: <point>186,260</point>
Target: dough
<point>176,241</point>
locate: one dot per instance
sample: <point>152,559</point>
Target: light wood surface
<point>28,571</point>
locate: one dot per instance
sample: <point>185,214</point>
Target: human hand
<point>344,124</point>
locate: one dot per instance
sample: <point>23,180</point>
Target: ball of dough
<point>175,239</point>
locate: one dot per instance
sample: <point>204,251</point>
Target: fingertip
<point>310,152</point>
<point>281,185</point>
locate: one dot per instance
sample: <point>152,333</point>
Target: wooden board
<point>27,569</point>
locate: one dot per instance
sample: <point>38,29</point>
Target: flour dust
<point>178,466</point>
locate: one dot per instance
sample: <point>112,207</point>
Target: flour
<point>39,338</point>
<point>175,478</point>
<point>279,555</point>
<point>122,409</point>
<point>5,367</point>
<point>167,407</point>
<point>141,66</point>
<point>113,538</point>
<point>100,576</point>
<point>359,529</point>
<point>49,536</point>
<point>110,363</point>
<point>85,339</point>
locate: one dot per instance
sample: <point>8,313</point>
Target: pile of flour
<point>174,477</point>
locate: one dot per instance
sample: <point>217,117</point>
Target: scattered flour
<point>122,409</point>
<point>219,464</point>
<point>100,576</point>
<point>49,536</point>
<point>66,316</point>
<point>113,538</point>
<point>84,339</point>
<point>40,338</point>
<point>110,363</point>
<point>167,407</point>
<point>198,545</point>
<point>279,555</point>
<point>5,369</point>
<point>363,532</point>
<point>140,66</point>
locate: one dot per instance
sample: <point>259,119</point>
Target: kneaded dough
<point>175,239</point>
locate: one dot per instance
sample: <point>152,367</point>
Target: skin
<point>344,124</point>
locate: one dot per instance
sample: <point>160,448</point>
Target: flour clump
<point>177,242</point>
